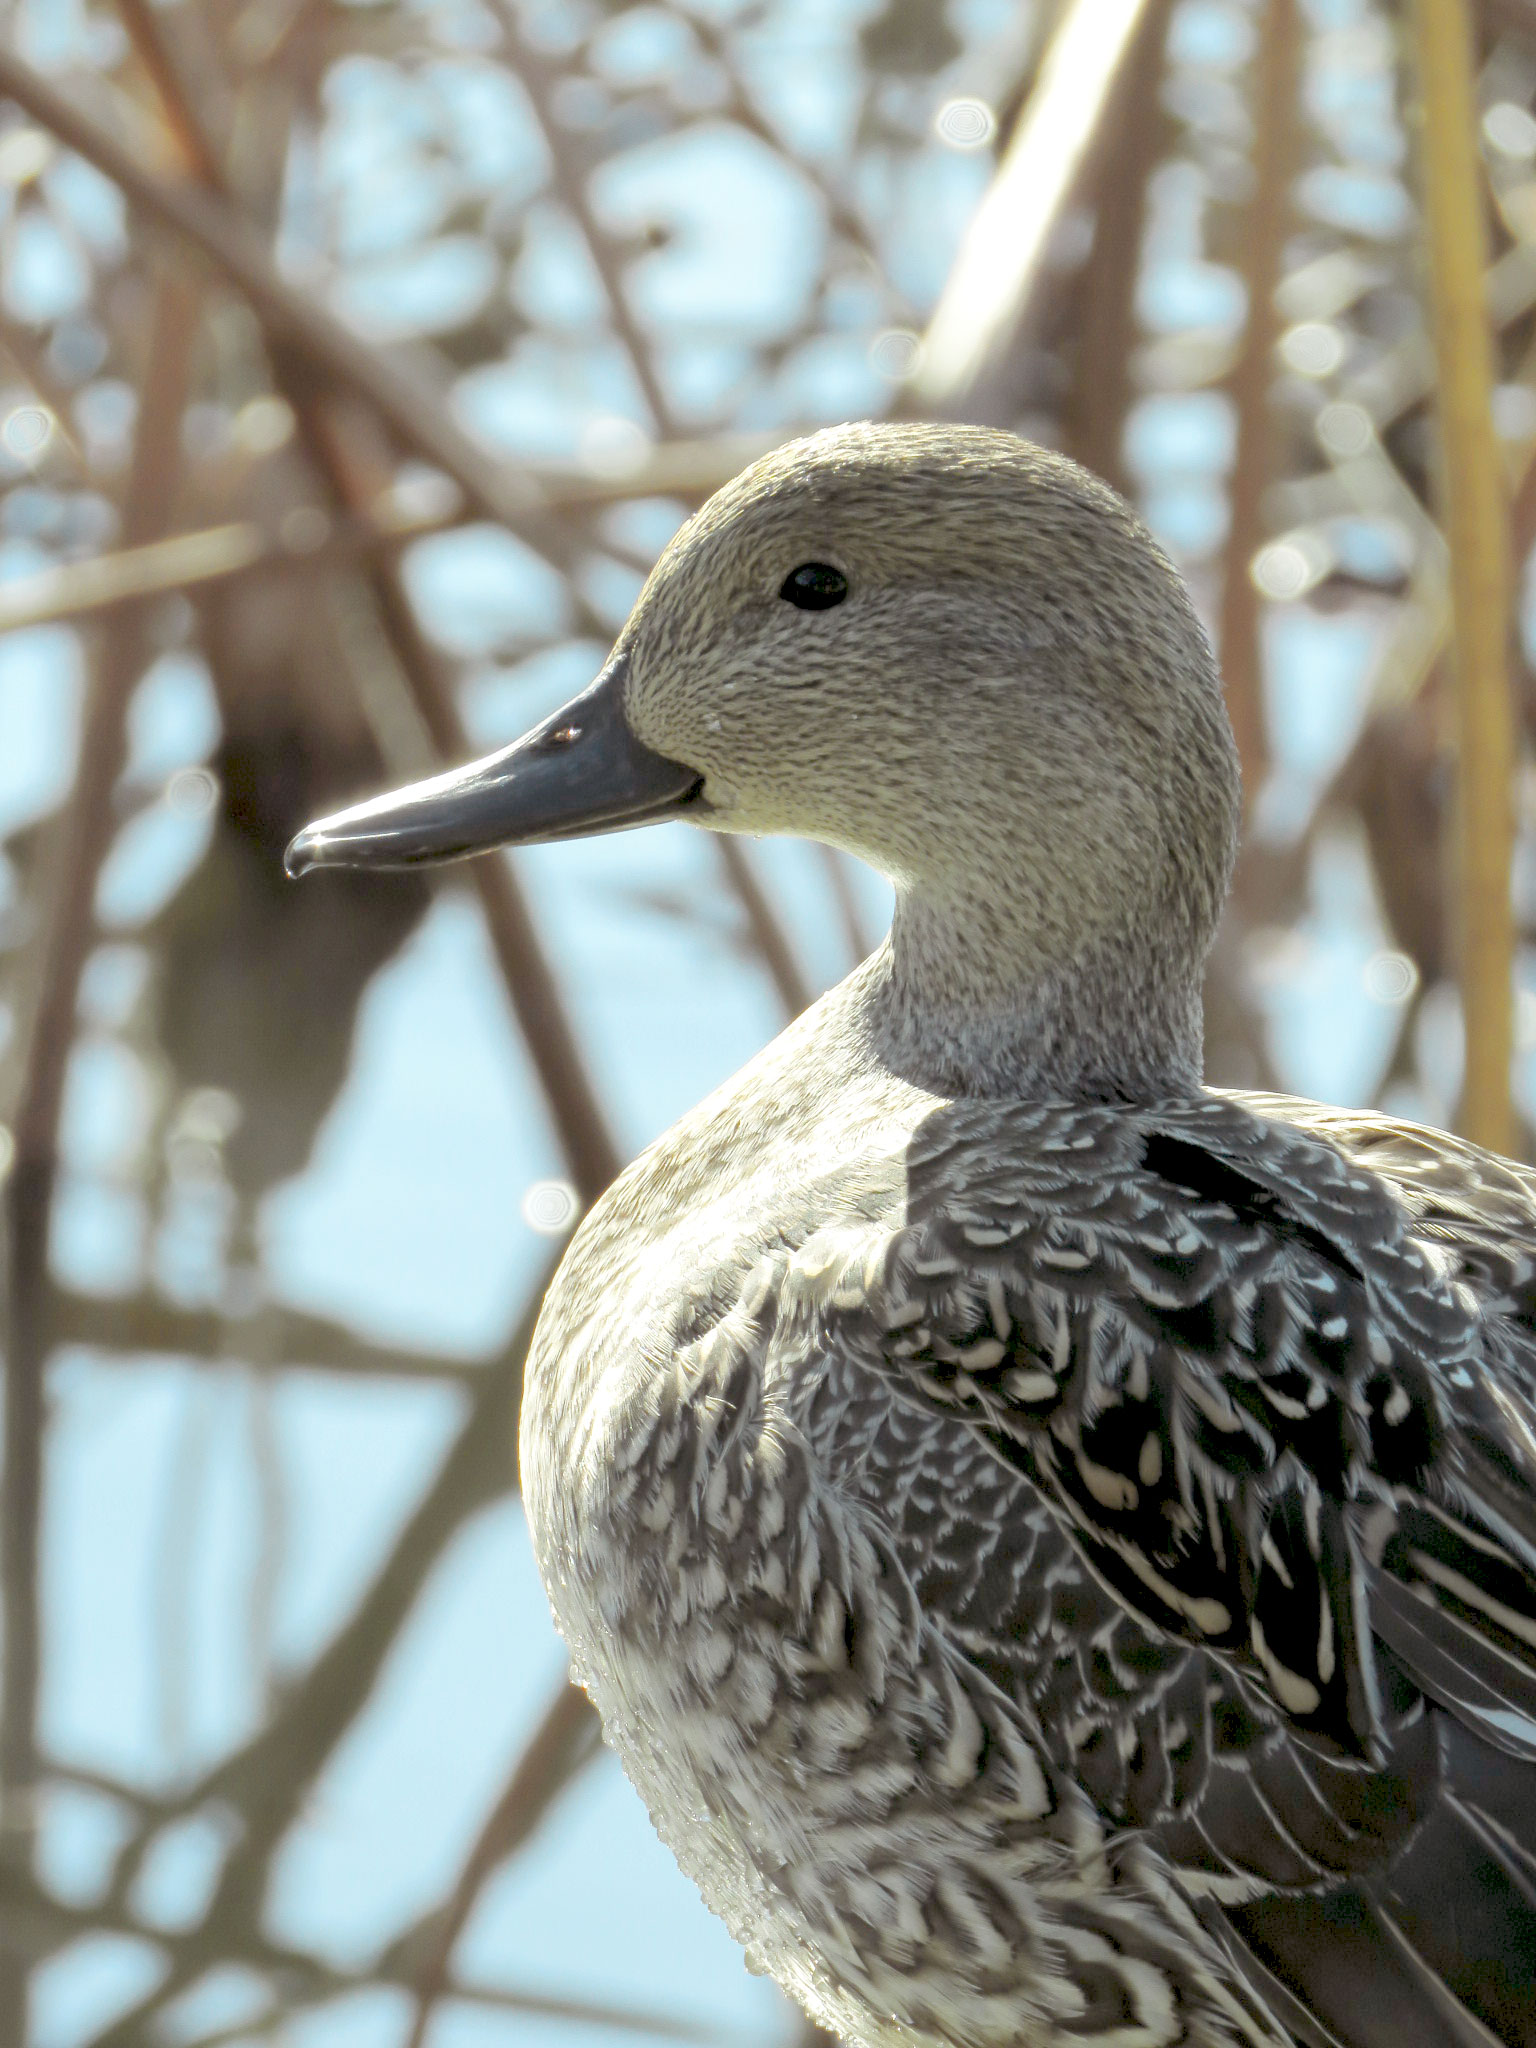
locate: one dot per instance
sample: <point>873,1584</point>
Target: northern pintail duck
<point>1054,1545</point>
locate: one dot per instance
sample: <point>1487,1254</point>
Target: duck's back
<point>970,1515</point>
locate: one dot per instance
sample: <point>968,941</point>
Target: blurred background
<point>357,357</point>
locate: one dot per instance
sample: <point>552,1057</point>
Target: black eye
<point>814,587</point>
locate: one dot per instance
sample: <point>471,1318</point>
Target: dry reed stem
<point>1274,107</point>
<point>1107,323</point>
<point>765,929</point>
<point>1003,268</point>
<point>1476,527</point>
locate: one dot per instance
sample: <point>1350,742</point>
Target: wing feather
<point>1251,1377</point>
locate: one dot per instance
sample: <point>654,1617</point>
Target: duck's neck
<point>967,997</point>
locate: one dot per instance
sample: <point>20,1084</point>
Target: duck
<point>1053,1543</point>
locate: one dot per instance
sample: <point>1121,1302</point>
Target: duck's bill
<point>581,771</point>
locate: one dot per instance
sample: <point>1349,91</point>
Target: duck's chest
<point>754,1549</point>
<point>664,1376</point>
<point>679,1410</point>
<point>730,1534</point>
<point>676,1446</point>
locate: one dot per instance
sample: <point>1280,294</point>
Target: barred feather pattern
<point>1081,1588</point>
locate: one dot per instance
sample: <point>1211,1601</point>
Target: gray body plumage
<point>1054,1547</point>
<point>847,1422</point>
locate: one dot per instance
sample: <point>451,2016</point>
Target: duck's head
<point>951,653</point>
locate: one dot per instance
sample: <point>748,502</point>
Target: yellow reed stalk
<point>1476,522</point>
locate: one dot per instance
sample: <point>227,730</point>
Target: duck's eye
<point>814,587</point>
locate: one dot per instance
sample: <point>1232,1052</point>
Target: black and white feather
<point>1084,1590</point>
<point>1275,1375</point>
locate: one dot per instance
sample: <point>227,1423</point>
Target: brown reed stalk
<point>1475,519</point>
<point>1275,111</point>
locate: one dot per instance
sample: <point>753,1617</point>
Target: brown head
<point>959,657</point>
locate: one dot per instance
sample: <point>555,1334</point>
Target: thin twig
<point>213,554</point>
<point>565,1740</point>
<point>269,1565</point>
<point>74,590</point>
<point>86,835</point>
<point>768,935</point>
<point>189,135</point>
<point>413,411</point>
<point>842,216</point>
<point>569,178</point>
<point>30,360</point>
<point>275,1339</point>
<point>266,1781</point>
<point>678,467</point>
<point>1273,104</point>
<point>35,1925</point>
